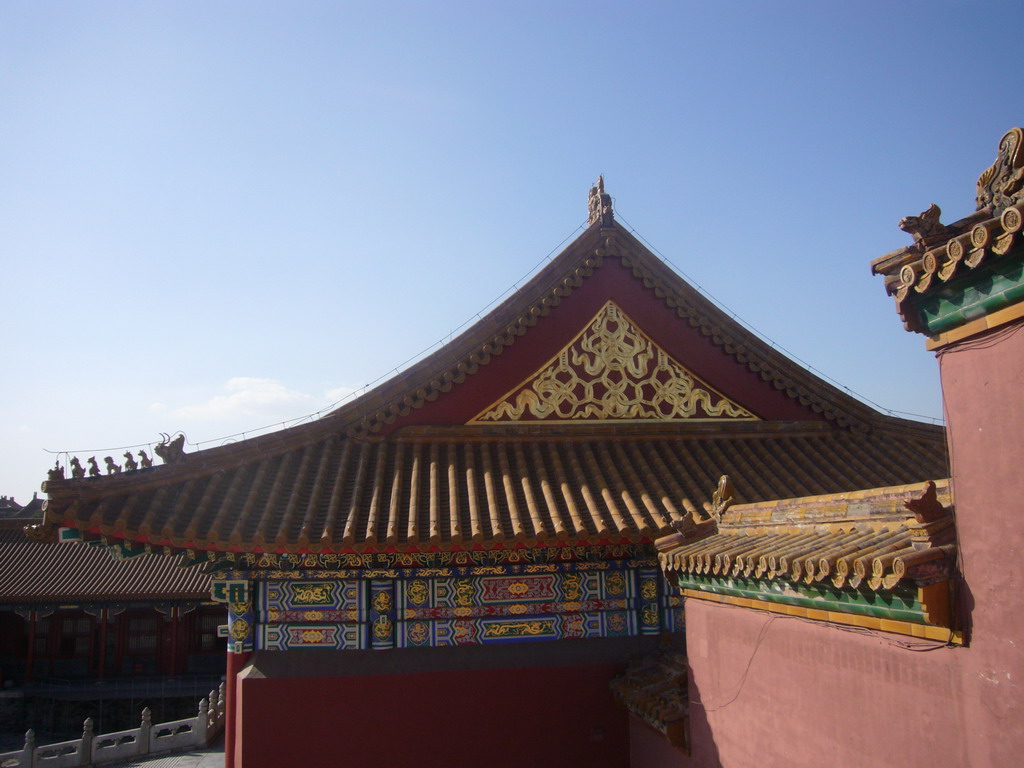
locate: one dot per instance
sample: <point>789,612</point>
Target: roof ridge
<point>449,366</point>
<point>437,373</point>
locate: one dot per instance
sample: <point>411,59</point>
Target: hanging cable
<point>763,337</point>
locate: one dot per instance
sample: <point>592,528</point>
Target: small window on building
<point>143,633</point>
<point>42,640</point>
<point>75,637</point>
<point>205,637</point>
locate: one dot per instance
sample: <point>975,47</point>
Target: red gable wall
<point>660,322</point>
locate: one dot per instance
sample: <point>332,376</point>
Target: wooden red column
<point>236,662</point>
<point>31,645</point>
<point>174,640</point>
<point>103,644</point>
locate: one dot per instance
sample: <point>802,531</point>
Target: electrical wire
<point>746,670</point>
<point>764,337</point>
<point>359,392</point>
<point>906,645</point>
<point>512,290</point>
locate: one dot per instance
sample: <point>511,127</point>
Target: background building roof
<point>72,573</point>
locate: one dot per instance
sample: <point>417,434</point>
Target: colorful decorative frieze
<point>251,563</point>
<point>441,608</point>
<point>648,580</point>
<point>285,637</point>
<point>382,614</point>
<point>241,627</point>
<point>320,595</point>
<point>515,609</point>
<point>229,590</point>
<point>428,572</point>
<point>562,587</point>
<point>530,628</point>
<point>673,618</point>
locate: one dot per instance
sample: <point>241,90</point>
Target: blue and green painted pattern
<point>425,607</point>
<point>973,294</point>
<point>900,604</point>
<point>272,565</point>
<point>489,631</point>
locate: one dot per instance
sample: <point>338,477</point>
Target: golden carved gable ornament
<point>612,371</point>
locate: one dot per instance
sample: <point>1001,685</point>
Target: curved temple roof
<point>35,572</point>
<point>415,463</point>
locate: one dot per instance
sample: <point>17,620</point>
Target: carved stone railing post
<point>85,746</point>
<point>145,731</point>
<point>104,748</point>
<point>202,722</point>
<point>221,704</point>
<point>211,714</point>
<point>28,754</point>
<point>215,713</point>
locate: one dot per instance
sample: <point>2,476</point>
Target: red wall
<point>780,691</point>
<point>775,690</point>
<point>551,716</point>
<point>983,390</point>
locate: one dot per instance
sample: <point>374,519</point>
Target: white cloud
<point>157,407</point>
<point>250,398</point>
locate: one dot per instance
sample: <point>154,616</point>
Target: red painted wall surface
<point>775,690</point>
<point>552,716</point>
<point>983,390</point>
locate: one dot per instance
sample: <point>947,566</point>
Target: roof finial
<point>1002,184</point>
<point>599,205</point>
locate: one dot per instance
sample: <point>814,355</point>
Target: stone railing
<point>147,739</point>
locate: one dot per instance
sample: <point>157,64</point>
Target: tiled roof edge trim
<point>916,539</point>
<point>941,253</point>
<point>915,271</point>
<point>890,499</point>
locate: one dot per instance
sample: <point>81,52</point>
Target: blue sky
<point>218,216</point>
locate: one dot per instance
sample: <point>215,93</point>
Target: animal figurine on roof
<point>57,473</point>
<point>112,468</point>
<point>171,451</point>
<point>721,499</point>
<point>77,470</point>
<point>94,470</point>
<point>925,227</point>
<point>129,462</point>
<point>144,461</point>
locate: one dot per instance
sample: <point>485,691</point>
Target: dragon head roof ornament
<point>599,205</point>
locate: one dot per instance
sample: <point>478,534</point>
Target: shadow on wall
<point>703,750</point>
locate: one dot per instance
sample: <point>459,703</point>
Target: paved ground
<point>212,757</point>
